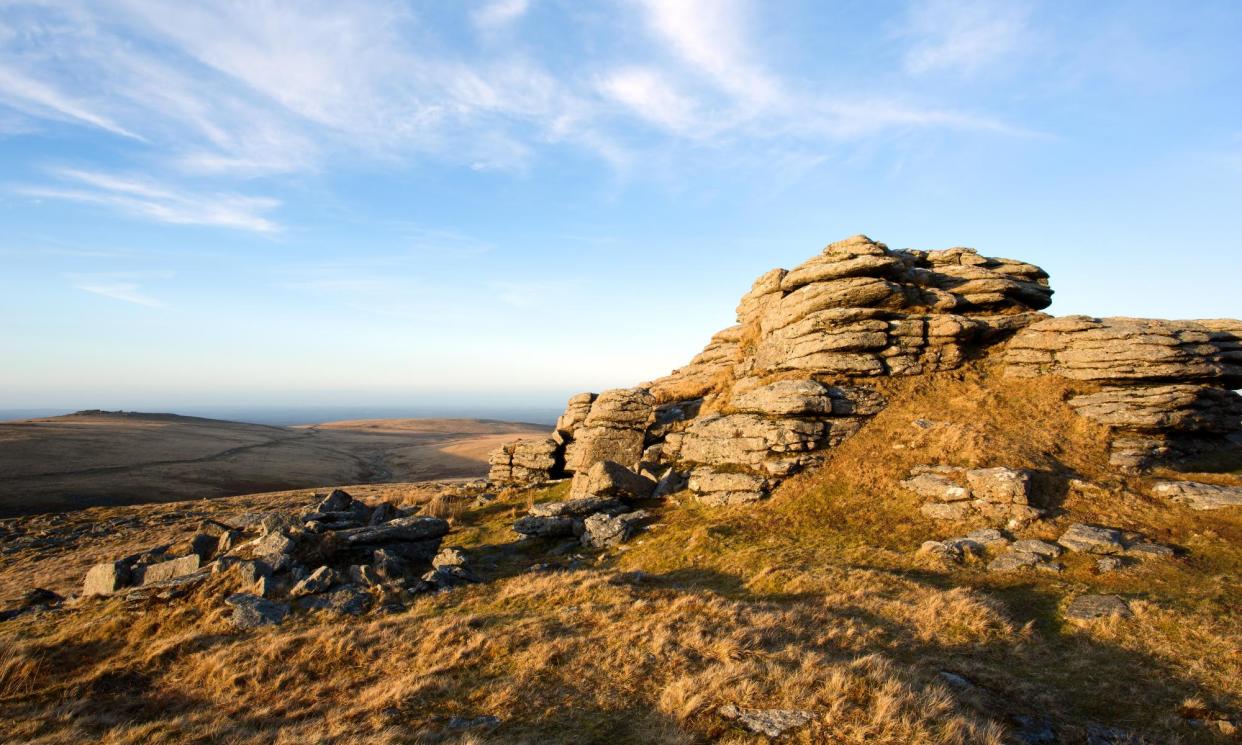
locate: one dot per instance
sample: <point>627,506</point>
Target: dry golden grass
<point>812,601</point>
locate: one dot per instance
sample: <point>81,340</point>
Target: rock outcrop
<point>1164,389</point>
<point>324,558</point>
<point>797,375</point>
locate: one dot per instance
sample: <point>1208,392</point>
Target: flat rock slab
<point>250,611</point>
<point>416,528</point>
<point>770,722</point>
<point>1091,607</point>
<point>1092,539</point>
<point>1199,496</point>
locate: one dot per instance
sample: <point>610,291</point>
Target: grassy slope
<point>814,600</point>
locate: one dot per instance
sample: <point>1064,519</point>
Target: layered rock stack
<point>1165,388</point>
<point>796,375</point>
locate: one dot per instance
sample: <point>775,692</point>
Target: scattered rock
<point>936,486</point>
<point>413,528</point>
<point>770,722</point>
<point>579,508</point>
<point>1199,496</point>
<point>1092,539</point>
<point>1090,607</point>
<point>318,581</point>
<point>347,600</point>
<point>166,570</point>
<point>1149,550</point>
<point>1109,564</point>
<point>250,611</point>
<point>338,500</point>
<point>105,578</point>
<point>1000,485</point>
<point>547,527</point>
<point>600,531</point>
<point>1014,560</point>
<point>1040,548</point>
<point>946,511</point>
<point>451,556</point>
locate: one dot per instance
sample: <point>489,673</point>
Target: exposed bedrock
<point>798,373</point>
<point>1166,388</point>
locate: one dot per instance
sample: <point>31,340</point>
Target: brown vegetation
<point>813,600</point>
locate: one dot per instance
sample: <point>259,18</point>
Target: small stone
<point>1040,548</point>
<point>770,722</point>
<point>450,576</point>
<point>1001,485</point>
<point>388,564</point>
<point>1150,550</point>
<point>40,596</point>
<point>608,530</point>
<point>449,556</point>
<point>383,512</point>
<point>364,575</point>
<point>1090,607</point>
<point>252,571</point>
<point>1199,496</point>
<point>319,581</point>
<point>166,570</point>
<point>941,550</point>
<point>338,501</point>
<point>1092,539</point>
<point>1013,560</point>
<point>946,510</point>
<point>275,542</point>
<point>1108,564</point>
<point>936,486</point>
<point>346,599</point>
<point>250,611</point>
<point>987,536</point>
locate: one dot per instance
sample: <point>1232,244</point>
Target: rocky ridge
<point>797,375</point>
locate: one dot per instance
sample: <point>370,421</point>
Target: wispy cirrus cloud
<point>746,101</point>
<point>36,97</point>
<point>122,286</point>
<point>143,197</point>
<point>499,13</point>
<point>963,36</point>
<point>213,91</point>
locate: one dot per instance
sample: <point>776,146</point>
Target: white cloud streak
<point>963,36</point>
<point>499,13</point>
<point>116,287</point>
<point>142,197</point>
<point>210,91</point>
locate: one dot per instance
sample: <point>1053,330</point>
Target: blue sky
<point>372,203</point>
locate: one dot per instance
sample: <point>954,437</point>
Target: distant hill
<point>96,457</point>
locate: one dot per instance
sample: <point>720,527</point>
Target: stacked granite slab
<point>768,396</point>
<point>1165,390</point>
<point>800,372</point>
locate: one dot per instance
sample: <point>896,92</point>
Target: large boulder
<point>106,578</point>
<point>524,461</point>
<point>610,479</point>
<point>614,429</point>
